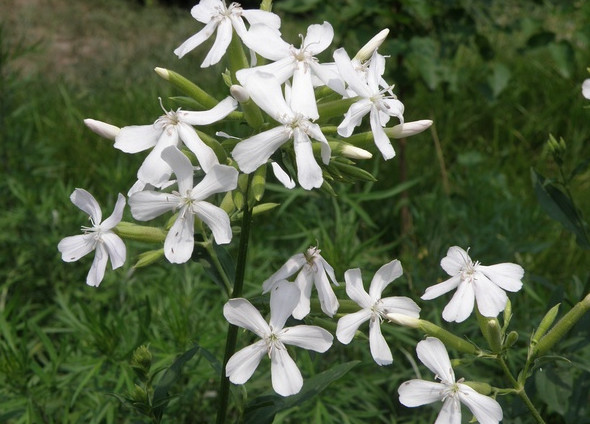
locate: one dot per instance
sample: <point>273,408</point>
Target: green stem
<point>519,388</point>
<point>232,333</point>
<point>208,245</point>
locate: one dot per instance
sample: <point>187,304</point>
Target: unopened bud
<point>239,93</point>
<point>162,72</point>
<point>149,257</point>
<point>102,128</point>
<point>479,387</point>
<point>141,362</point>
<point>373,44</point>
<point>133,231</point>
<point>511,338</point>
<point>402,319</point>
<point>353,152</point>
<point>408,129</point>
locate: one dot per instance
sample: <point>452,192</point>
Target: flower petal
<point>222,40</point>
<point>196,40</point>
<point>349,324</point>
<point>439,289</point>
<point>432,352</point>
<point>180,242</point>
<point>485,409</point>
<point>491,299</point>
<point>154,169</point>
<point>419,392</point>
<point>207,10</point>
<point>86,202</point>
<point>252,152</point>
<point>283,299</point>
<point>267,42</point>
<point>206,117</point>
<point>385,275</point>
<point>244,362</point>
<point>328,301</point>
<point>146,205</point>
<point>505,275</point>
<point>455,260</point>
<point>318,38</point>
<point>286,377</point>
<point>116,216</point>
<point>304,101</point>
<point>293,264</point>
<point>73,248</point>
<point>265,90</point>
<point>304,281</point>
<point>137,138</point>
<point>282,176</point>
<point>355,289</point>
<point>257,16</point>
<point>219,179</point>
<point>353,117</point>
<point>309,172</point>
<point>461,304</point>
<point>205,154</point>
<point>381,140</point>
<point>216,219</point>
<point>328,74</point>
<point>379,348</point>
<point>242,313</point>
<point>400,305</point>
<point>450,412</point>
<point>115,248</point>
<point>99,265</point>
<point>350,75</point>
<point>309,337</point>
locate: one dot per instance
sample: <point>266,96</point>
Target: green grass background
<point>65,347</point>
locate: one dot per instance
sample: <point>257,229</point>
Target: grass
<point>65,348</point>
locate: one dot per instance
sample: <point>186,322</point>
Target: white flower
<point>217,16</point>
<point>313,269</point>
<point>433,354</point>
<point>586,88</point>
<point>475,282</point>
<point>102,128</point>
<point>286,377</point>
<point>252,152</point>
<point>374,308</point>
<point>300,64</point>
<point>99,237</point>
<point>373,100</point>
<point>189,201</point>
<point>169,130</point>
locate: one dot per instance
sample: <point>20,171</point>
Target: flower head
<point>374,308</point>
<point>98,237</point>
<point>586,88</point>
<point>433,354</point>
<point>286,377</point>
<point>313,270</point>
<point>474,282</point>
<point>378,102</point>
<point>224,19</point>
<point>189,201</point>
<point>265,91</point>
<point>169,130</point>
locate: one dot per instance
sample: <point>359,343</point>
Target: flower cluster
<point>187,168</point>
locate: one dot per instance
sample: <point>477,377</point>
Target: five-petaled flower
<point>169,130</point>
<point>377,101</point>
<point>190,202</point>
<point>433,354</point>
<point>374,308</point>
<point>286,377</point>
<point>99,237</point>
<point>217,16</point>
<point>474,282</point>
<point>313,269</point>
<point>265,91</point>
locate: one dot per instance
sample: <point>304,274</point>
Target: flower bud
<point>479,387</point>
<point>102,128</point>
<point>188,87</point>
<point>448,338</point>
<point>402,319</point>
<point>149,257</point>
<point>408,129</point>
<point>133,231</point>
<point>545,324</point>
<point>349,151</point>
<point>141,362</point>
<point>490,328</point>
<point>373,44</point>
<point>252,113</point>
<point>511,338</point>
<point>239,93</point>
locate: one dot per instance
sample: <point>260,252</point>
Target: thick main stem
<point>232,332</point>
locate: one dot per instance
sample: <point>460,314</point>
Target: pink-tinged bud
<point>373,44</point>
<point>239,93</point>
<point>162,72</point>
<point>102,128</point>
<point>408,129</point>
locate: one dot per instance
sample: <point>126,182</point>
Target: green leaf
<point>263,409</point>
<point>564,57</point>
<point>559,207</point>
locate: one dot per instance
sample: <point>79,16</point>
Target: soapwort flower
<point>190,202</point>
<point>374,308</point>
<point>224,19</point>
<point>433,354</point>
<point>378,102</point>
<point>474,282</point>
<point>286,377</point>
<point>98,237</point>
<point>265,91</point>
<point>313,270</point>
